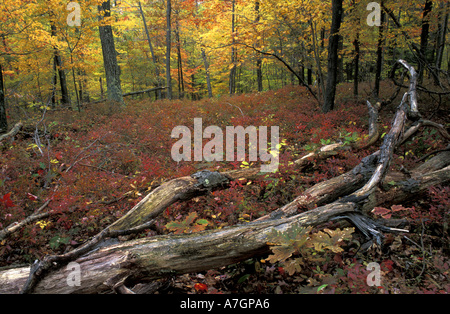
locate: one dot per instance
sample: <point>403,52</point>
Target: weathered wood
<point>151,258</point>
<point>13,131</point>
<point>17,225</point>
<point>179,189</point>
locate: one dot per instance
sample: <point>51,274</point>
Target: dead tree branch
<point>13,131</point>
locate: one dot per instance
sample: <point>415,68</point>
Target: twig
<point>287,66</point>
<point>83,151</point>
<point>236,107</point>
<point>17,225</point>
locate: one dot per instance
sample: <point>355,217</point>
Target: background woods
<point>360,93</point>
<point>218,47</point>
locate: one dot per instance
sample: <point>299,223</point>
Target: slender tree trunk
<point>3,119</point>
<point>65,98</point>
<point>259,79</point>
<point>155,62</point>
<point>442,33</point>
<point>309,74</point>
<point>208,78</point>
<point>356,44</point>
<point>321,86</point>
<point>424,36</point>
<point>102,93</point>
<point>232,80</point>
<point>330,92</point>
<point>340,73</point>
<point>356,64</point>
<point>112,70</point>
<point>54,82</point>
<point>76,90</point>
<point>376,91</point>
<point>179,60</point>
<point>168,48</point>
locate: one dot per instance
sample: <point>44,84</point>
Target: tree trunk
<point>208,78</point>
<point>321,86</point>
<point>155,62</point>
<point>259,78</point>
<point>424,36</point>
<point>356,66</point>
<point>179,60</point>
<point>441,36</point>
<point>232,79</point>
<point>65,98</point>
<point>379,67</point>
<point>3,119</point>
<point>112,70</point>
<point>330,91</point>
<point>168,47</point>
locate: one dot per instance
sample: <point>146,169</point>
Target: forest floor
<point>95,165</point>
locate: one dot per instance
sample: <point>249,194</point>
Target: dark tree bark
<point>356,67</point>
<point>112,70</point>
<point>232,79</point>
<point>3,119</point>
<point>379,67</point>
<point>441,36</point>
<point>155,62</point>
<point>208,76</point>
<point>424,36</point>
<point>65,98</point>
<point>259,78</point>
<point>168,47</point>
<point>179,60</point>
<point>356,45</point>
<point>330,92</point>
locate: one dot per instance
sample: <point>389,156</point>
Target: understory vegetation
<point>88,169</point>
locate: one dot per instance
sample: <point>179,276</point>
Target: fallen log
<point>151,258</point>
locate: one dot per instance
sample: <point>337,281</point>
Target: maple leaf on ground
<point>383,212</point>
<point>201,287</point>
<point>331,239</point>
<point>6,200</point>
<point>188,225</point>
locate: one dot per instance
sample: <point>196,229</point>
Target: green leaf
<point>202,222</point>
<point>56,241</point>
<point>243,278</point>
<point>322,287</point>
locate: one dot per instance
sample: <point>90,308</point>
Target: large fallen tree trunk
<point>106,265</point>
